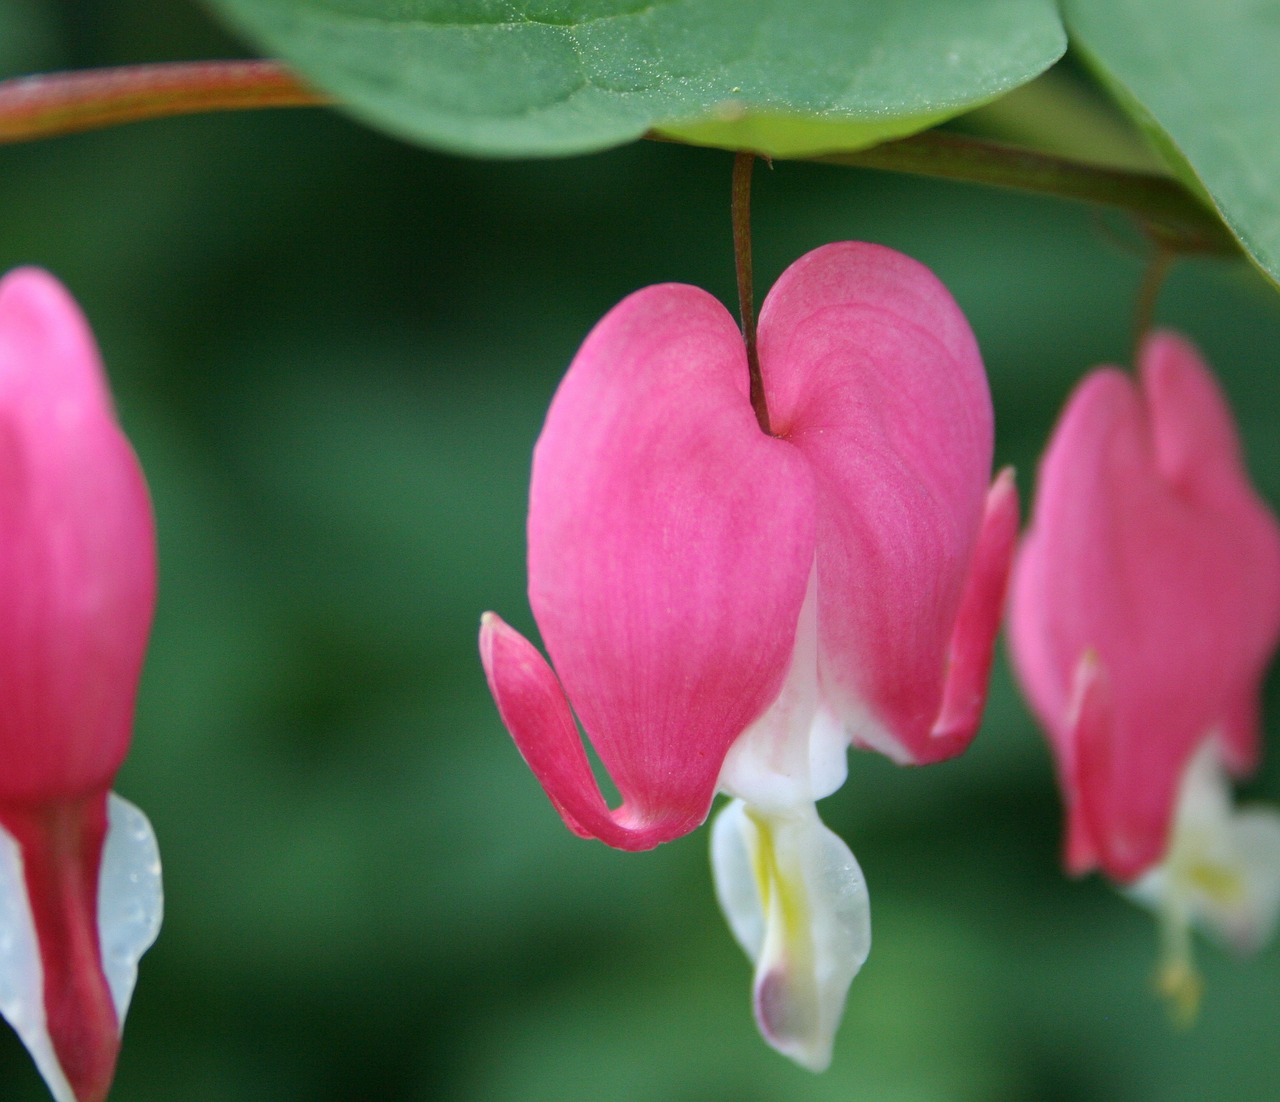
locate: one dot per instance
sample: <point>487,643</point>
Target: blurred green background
<point>333,353</point>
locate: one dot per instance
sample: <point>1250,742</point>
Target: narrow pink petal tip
<point>1090,720</point>
<point>533,707</point>
<point>981,610</point>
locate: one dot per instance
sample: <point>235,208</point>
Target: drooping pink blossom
<point>727,609</point>
<point>1145,607</point>
<point>77,591</point>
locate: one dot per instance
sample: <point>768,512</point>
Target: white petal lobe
<point>130,898</point>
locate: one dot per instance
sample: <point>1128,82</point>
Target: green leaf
<point>1202,78</point>
<point>555,77</point>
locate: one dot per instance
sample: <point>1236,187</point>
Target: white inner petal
<point>796,752</point>
<point>797,903</point>
<point>733,870</point>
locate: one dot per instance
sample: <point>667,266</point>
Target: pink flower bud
<point>77,589</point>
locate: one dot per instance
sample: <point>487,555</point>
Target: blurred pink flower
<point>728,609</point>
<point>1145,606</point>
<point>79,878</point>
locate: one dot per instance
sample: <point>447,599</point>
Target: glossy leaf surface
<point>1202,80</point>
<point>554,77</point>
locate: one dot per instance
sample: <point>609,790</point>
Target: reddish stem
<point>62,103</point>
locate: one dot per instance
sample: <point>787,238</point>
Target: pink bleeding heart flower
<point>727,608</point>
<point>79,875</point>
<point>1144,609</point>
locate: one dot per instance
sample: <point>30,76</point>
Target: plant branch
<point>47,105</point>
<point>1174,218</point>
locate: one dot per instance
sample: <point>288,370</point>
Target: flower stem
<point>1148,295</point>
<point>1177,979</point>
<point>743,163</point>
<point>47,105</point>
